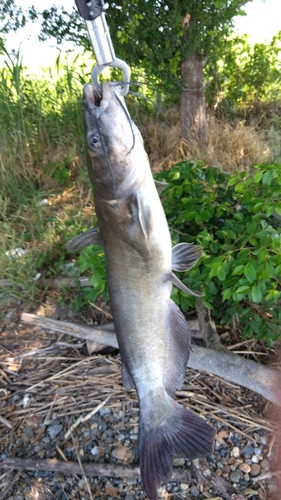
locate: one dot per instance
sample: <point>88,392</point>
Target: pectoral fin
<point>185,256</point>
<point>143,214</point>
<point>160,186</point>
<point>90,237</point>
<point>173,278</point>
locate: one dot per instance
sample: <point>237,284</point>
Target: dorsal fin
<point>175,280</point>
<point>185,256</point>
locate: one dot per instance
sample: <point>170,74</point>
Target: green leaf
<point>242,289</point>
<point>233,179</point>
<point>256,294</point>
<point>258,177</point>
<point>226,294</point>
<point>267,178</point>
<point>250,271</point>
<point>221,273</point>
<point>205,215</point>
<point>238,270</point>
<point>240,187</point>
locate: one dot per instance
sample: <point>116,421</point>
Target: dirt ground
<point>69,429</point>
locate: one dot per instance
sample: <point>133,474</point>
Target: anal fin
<point>178,348</point>
<point>127,378</point>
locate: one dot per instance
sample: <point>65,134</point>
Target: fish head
<point>113,142</point>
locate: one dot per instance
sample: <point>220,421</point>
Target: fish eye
<point>94,141</point>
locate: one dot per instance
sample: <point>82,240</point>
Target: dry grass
<point>230,146</point>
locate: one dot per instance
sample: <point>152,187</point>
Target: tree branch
<point>254,376</point>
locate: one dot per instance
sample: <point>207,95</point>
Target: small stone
<point>265,464</point>
<point>264,439</point>
<point>82,484</point>
<point>255,459</point>
<point>231,460</point>
<point>235,476</point>
<point>249,450</point>
<point>255,469</point>
<point>178,462</point>
<point>54,430</point>
<point>111,491</point>
<point>122,453</point>
<point>257,451</point>
<point>95,451</point>
<point>134,437</point>
<point>226,469</point>
<point>9,314</point>
<point>218,472</point>
<point>246,468</point>
<point>235,452</point>
<point>194,491</point>
<point>184,486</point>
<point>261,494</point>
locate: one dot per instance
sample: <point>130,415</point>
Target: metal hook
<point>117,63</point>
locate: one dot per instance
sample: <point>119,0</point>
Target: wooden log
<point>95,334</point>
<point>90,469</point>
<point>261,379</point>
<point>52,283</point>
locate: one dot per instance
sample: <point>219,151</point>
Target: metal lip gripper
<point>92,13</point>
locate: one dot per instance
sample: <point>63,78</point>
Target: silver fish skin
<point>152,333</point>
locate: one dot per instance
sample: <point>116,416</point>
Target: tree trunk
<point>193,111</point>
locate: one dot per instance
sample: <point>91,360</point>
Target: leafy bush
<point>231,218</point>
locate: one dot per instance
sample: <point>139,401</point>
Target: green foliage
<point>243,75</point>
<point>231,218</point>
<point>11,17</point>
<point>92,260</point>
<point>155,36</point>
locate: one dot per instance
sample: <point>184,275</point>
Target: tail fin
<point>183,434</point>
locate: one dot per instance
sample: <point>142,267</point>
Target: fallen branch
<point>90,469</point>
<point>230,367</point>
<point>96,334</point>
<point>52,283</point>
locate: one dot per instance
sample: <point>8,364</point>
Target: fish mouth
<point>91,98</point>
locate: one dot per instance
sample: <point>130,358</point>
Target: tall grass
<point>42,156</point>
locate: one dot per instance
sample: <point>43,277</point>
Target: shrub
<point>231,218</point>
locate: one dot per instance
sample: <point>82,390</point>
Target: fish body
<point>152,333</point>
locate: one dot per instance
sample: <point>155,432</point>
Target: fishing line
<point>137,94</point>
<point>105,154</point>
<point>129,120</point>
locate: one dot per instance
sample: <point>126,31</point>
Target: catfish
<point>153,336</point>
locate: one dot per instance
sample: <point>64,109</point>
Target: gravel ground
<point>50,386</point>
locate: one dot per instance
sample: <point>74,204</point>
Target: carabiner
<point>117,63</point>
